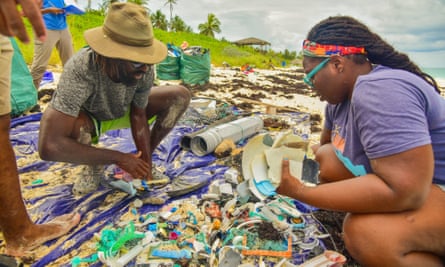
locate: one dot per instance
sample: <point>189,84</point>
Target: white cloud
<point>411,26</point>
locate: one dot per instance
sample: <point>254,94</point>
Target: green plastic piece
<point>76,261</point>
<point>36,182</point>
<point>113,240</point>
<point>127,235</point>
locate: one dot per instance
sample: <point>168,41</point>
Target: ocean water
<point>438,74</point>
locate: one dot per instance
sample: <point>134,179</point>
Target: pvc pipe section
<point>206,142</point>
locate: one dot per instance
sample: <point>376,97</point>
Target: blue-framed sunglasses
<point>310,76</point>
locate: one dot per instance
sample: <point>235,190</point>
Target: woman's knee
<point>368,235</point>
<point>331,168</point>
<point>357,241</point>
<point>351,232</point>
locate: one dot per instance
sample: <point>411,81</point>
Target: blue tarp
<point>59,200</point>
<point>53,197</point>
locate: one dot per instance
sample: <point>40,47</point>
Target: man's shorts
<point>6,53</point>
<point>123,122</point>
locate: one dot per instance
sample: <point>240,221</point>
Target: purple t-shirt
<point>391,111</point>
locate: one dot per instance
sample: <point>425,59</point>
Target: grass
<point>220,50</point>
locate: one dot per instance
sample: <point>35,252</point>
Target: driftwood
<point>270,108</point>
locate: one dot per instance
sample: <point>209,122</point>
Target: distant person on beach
<point>58,36</point>
<point>20,233</point>
<point>382,150</point>
<point>109,85</point>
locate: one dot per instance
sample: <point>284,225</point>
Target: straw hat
<point>127,34</point>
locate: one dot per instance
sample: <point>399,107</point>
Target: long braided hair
<point>109,66</point>
<point>347,31</point>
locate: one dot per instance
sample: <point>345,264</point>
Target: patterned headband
<point>321,50</point>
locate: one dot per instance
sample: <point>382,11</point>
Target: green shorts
<point>123,122</point>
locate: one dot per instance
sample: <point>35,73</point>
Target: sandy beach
<point>268,91</point>
<point>275,93</point>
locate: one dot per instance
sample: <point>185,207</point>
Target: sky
<point>414,27</point>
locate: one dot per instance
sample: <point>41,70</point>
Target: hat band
<point>125,39</point>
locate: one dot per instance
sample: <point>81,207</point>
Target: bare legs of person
<point>408,238</point>
<point>168,103</point>
<point>20,233</point>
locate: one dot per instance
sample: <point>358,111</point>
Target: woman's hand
<point>289,185</point>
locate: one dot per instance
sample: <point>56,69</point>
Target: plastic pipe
<point>206,142</point>
<point>187,138</point>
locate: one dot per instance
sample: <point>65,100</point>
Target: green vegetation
<point>210,27</point>
<point>221,51</point>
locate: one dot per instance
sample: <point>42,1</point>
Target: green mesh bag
<point>195,65</point>
<point>168,69</point>
<point>23,91</point>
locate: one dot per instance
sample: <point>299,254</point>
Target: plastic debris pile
<point>213,213</point>
<point>220,229</point>
<point>239,220</point>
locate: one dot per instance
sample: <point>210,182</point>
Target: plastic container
<point>206,142</point>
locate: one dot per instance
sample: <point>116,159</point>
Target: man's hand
<point>11,20</point>
<point>53,10</point>
<point>135,166</point>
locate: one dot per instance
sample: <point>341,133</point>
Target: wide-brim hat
<point>127,33</point>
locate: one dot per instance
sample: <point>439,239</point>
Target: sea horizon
<point>437,73</point>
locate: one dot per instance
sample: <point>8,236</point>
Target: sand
<point>276,91</point>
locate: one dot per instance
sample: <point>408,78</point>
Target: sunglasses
<point>310,76</point>
<point>137,65</point>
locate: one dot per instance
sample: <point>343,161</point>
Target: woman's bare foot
<point>41,233</point>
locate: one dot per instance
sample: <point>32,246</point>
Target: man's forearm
<point>141,136</point>
<point>71,151</point>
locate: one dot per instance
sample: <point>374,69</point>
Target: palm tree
<point>143,3</point>
<point>103,7</point>
<point>211,26</point>
<point>171,3</point>
<point>178,25</point>
<point>159,21</point>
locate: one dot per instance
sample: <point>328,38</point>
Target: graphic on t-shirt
<point>337,140</point>
<point>339,144</point>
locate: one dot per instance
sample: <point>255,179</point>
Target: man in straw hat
<point>109,85</point>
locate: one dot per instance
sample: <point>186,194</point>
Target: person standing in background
<point>19,231</point>
<point>58,35</point>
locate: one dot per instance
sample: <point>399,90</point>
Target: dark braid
<point>347,31</point>
<point>109,66</point>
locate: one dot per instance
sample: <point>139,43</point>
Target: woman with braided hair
<point>382,149</point>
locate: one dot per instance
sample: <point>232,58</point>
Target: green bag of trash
<point>195,65</point>
<point>168,69</point>
<point>23,91</point>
